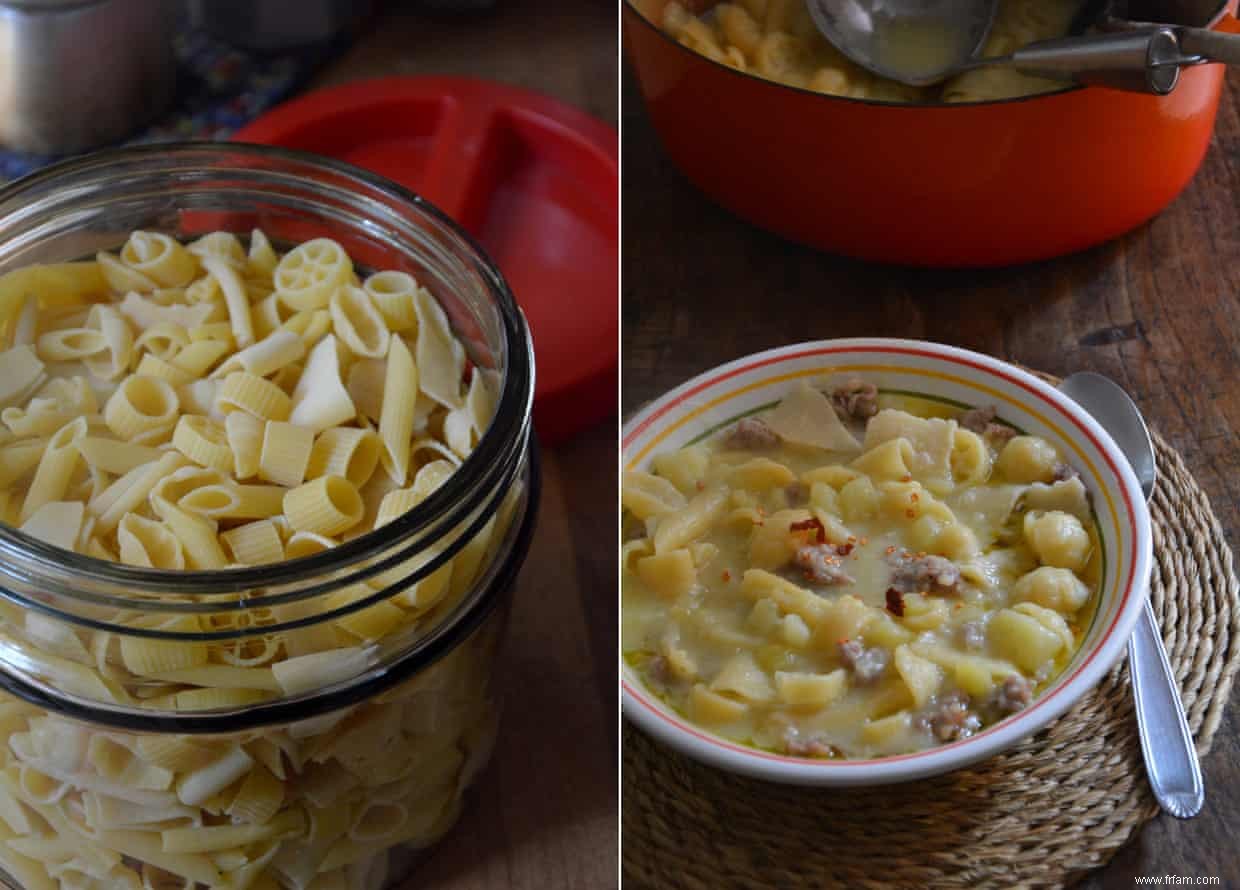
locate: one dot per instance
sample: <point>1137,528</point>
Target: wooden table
<point>543,815</point>
<point>1157,310</point>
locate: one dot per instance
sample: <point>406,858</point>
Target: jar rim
<point>509,428</point>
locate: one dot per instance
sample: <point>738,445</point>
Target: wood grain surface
<point>544,814</point>
<point>1157,310</point>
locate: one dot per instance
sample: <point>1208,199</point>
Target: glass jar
<point>109,780</point>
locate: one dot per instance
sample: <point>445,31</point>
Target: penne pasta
<point>396,420</point>
<point>113,455</point>
<point>196,358</point>
<point>55,467</point>
<point>20,372</point>
<point>20,458</point>
<point>245,438</point>
<point>262,259</point>
<point>224,272</point>
<point>124,495</point>
<point>57,522</point>
<point>114,361</point>
<point>276,350</point>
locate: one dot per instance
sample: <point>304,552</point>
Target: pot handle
<point>1219,44</point>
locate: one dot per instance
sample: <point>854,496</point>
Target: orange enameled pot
<point>984,184</point>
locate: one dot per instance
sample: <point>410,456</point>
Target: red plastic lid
<point>534,180</point>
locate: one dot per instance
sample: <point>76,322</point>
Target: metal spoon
<point>1166,743</point>
<point>922,42</point>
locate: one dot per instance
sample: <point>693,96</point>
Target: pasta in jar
<point>777,40</point>
<point>153,415</point>
<point>853,574</point>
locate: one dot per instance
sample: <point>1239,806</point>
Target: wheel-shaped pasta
<point>308,275</point>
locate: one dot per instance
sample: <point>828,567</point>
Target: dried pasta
<point>198,418</point>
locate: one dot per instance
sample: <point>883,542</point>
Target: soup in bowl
<point>864,561</point>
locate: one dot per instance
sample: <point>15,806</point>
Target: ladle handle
<point>1216,44</point>
<point>1137,61</point>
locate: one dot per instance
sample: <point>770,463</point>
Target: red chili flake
<point>914,497</point>
<point>863,541</point>
<point>911,514</point>
<point>906,478</point>
<point>895,602</point>
<point>852,539</point>
<point>845,549</point>
<point>891,548</point>
<point>813,523</point>
<point>727,576</point>
<point>959,605</point>
<point>701,486</point>
<point>842,640</point>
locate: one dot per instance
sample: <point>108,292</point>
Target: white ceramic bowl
<point>715,399</point>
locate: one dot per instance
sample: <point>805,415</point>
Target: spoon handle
<point>1166,743</point>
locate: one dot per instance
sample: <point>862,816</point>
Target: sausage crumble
<point>752,434</point>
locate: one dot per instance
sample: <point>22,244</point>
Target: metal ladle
<point>922,42</point>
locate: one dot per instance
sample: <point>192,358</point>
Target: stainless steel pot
<point>274,25</point>
<point>78,74</point>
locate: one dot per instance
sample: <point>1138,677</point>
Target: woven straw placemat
<point>1040,815</point>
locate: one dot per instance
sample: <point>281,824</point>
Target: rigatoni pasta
<point>199,419</point>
